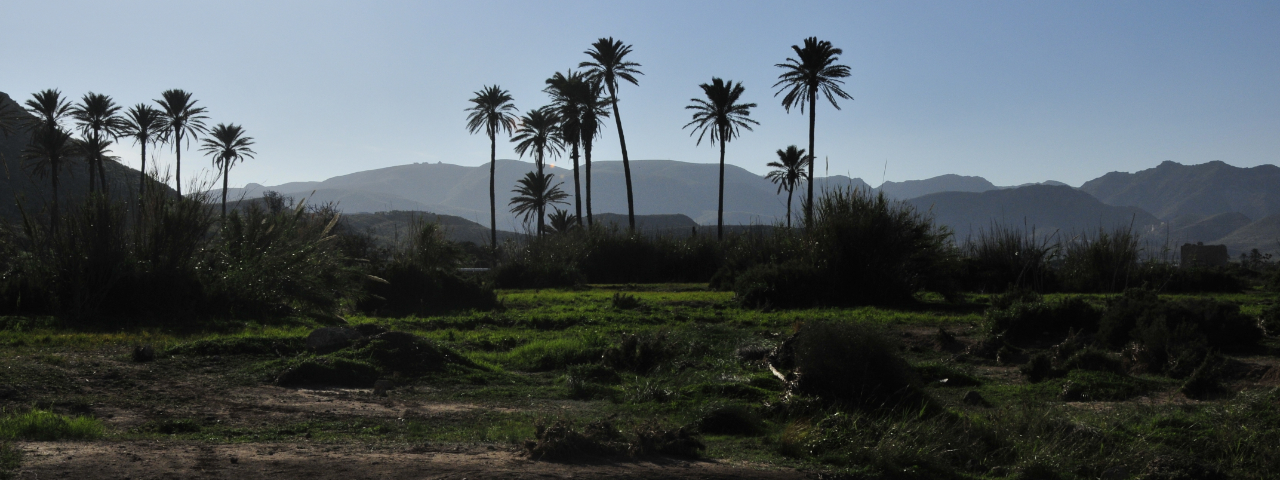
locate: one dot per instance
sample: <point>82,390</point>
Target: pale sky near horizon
<point>1015,92</point>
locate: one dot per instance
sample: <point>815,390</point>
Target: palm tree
<point>560,221</point>
<point>227,145</point>
<point>591,104</point>
<point>97,116</point>
<point>145,124</point>
<point>607,67</point>
<point>50,145</point>
<point>533,193</point>
<point>814,72</point>
<point>563,88</point>
<point>722,116</point>
<point>789,171</point>
<point>182,119</point>
<point>491,113</point>
<point>539,131</point>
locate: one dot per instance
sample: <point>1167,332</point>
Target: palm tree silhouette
<point>539,131</point>
<point>491,113</point>
<point>182,119</point>
<point>591,104</point>
<point>722,116</point>
<point>559,221</point>
<point>227,145</point>
<point>533,193</point>
<point>562,88</point>
<point>145,125</point>
<point>97,116</point>
<point>803,79</point>
<point>607,67</point>
<point>50,145</point>
<point>789,171</point>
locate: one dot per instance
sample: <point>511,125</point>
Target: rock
<point>331,339</point>
<point>974,398</point>
<point>381,387</point>
<point>143,353</point>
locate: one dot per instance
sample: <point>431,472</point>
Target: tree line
<point>579,100</point>
<point>100,122</point>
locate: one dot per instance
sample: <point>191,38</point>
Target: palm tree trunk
<point>813,111</point>
<point>542,205</point>
<point>226,169</point>
<point>88,160</point>
<point>177,166</point>
<point>53,211</point>
<point>493,198</point>
<point>586,149</point>
<point>102,175</point>
<point>789,192</point>
<point>720,208</point>
<point>626,162</point>
<point>577,190</point>
<point>142,177</point>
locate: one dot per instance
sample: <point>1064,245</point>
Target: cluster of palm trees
<point>100,122</point>
<point>579,100</point>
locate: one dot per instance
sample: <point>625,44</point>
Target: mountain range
<point>1212,202</point>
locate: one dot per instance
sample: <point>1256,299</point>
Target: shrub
<point>639,353</point>
<point>1003,257</point>
<point>863,250</point>
<point>1270,321</point>
<point>409,289</point>
<point>848,363</point>
<point>1042,319</point>
<point>1104,262</point>
<point>730,420</point>
<point>1204,380</point>
<point>1093,360</point>
<point>1173,337</point>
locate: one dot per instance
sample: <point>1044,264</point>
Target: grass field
<point>636,362</point>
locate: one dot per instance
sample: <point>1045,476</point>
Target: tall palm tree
<point>814,72</point>
<point>591,103</point>
<point>145,125</point>
<point>789,171</point>
<point>722,116</point>
<point>491,113</point>
<point>51,146</point>
<point>539,131</point>
<point>97,116</point>
<point>562,88</point>
<point>533,193</point>
<point>182,119</point>
<point>227,144</point>
<point>608,66</point>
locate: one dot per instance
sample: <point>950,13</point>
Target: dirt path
<point>182,460</point>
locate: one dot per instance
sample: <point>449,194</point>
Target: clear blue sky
<point>1013,91</point>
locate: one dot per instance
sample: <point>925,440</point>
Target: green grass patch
<point>43,425</point>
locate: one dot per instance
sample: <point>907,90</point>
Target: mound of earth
<point>359,357</point>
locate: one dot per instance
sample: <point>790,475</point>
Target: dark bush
<point>1173,337</point>
<point>537,274</point>
<point>409,289</point>
<point>1270,321</point>
<point>848,363</point>
<point>405,353</point>
<point>1043,320</point>
<point>730,420</point>
<point>325,371</point>
<point>1104,262</point>
<point>1003,257</point>
<point>1093,360</point>
<point>1039,368</point>
<point>1204,382</point>
<point>639,353</point>
<point>863,250</point>
<point>561,441</point>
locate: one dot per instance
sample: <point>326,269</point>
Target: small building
<point>1201,255</point>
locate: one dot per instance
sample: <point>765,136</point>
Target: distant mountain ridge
<point>1047,208</point>
<point>1171,189</point>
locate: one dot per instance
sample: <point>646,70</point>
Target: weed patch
<point>43,425</point>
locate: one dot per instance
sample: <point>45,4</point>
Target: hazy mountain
<point>662,187</point>
<point>942,183</point>
<point>1045,207</point>
<point>1263,234</point>
<point>394,225</point>
<point>1172,189</point>
<point>1207,229</point>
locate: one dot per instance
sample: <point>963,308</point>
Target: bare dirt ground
<point>181,460</point>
